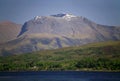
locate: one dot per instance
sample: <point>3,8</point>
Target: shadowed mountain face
<point>57,31</point>
<point>8,31</point>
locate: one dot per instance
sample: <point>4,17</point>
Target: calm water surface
<point>59,76</point>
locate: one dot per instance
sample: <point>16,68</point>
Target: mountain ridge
<point>8,31</point>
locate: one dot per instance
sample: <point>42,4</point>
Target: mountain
<point>57,31</point>
<point>8,31</point>
<point>69,26</point>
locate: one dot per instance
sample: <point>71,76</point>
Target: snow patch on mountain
<point>68,17</point>
<point>64,16</point>
<point>37,17</point>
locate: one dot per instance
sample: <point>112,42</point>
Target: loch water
<point>60,76</point>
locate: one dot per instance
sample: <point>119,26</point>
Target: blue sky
<point>105,12</point>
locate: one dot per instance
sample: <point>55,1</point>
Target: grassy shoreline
<point>104,56</point>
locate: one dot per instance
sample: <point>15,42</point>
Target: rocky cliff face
<point>57,31</point>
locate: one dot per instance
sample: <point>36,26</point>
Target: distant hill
<point>8,31</point>
<point>102,56</point>
<point>58,31</point>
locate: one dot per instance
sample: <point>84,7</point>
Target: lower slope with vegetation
<point>103,56</point>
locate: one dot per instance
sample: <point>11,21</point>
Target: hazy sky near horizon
<point>105,12</point>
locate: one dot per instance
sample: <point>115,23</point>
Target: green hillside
<point>103,56</point>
